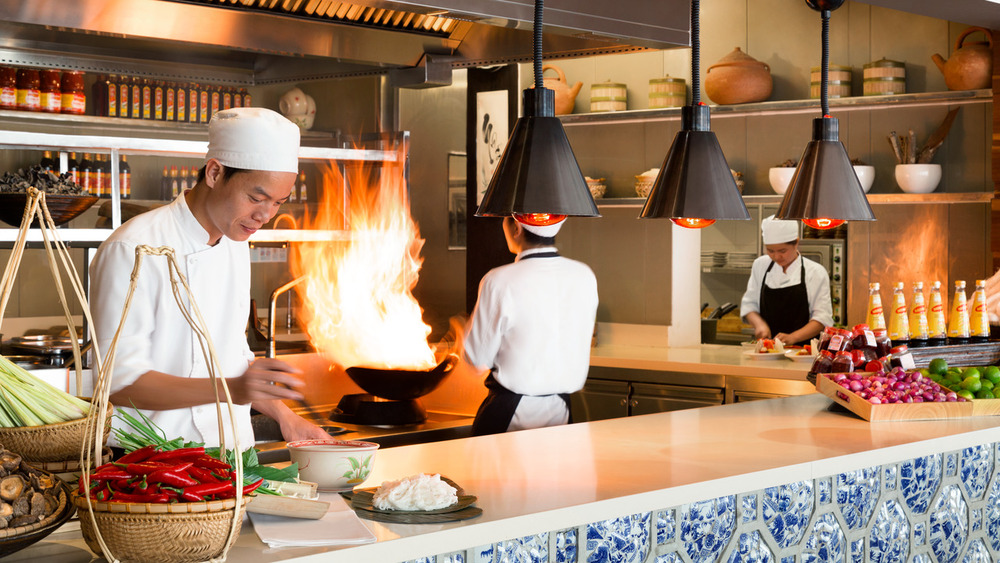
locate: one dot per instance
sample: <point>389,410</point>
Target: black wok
<point>401,384</point>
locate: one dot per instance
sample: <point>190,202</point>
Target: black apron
<point>785,309</point>
<point>497,409</point>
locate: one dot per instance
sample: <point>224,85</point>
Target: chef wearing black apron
<point>531,327</point>
<point>788,295</point>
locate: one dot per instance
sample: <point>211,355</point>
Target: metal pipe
<point>272,313</point>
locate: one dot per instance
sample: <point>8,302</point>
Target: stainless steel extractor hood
<point>269,41</point>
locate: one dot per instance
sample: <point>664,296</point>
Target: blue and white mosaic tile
<point>919,534</point>
<point>975,519</point>
<point>823,491</point>
<point>921,558</point>
<point>529,549</point>
<point>949,524</point>
<point>748,512</point>
<point>857,495</point>
<point>858,551</point>
<point>890,477</point>
<point>977,553</point>
<point>786,511</point>
<point>450,558</point>
<point>751,548</point>
<point>789,559</point>
<point>918,481</point>
<point>666,526</point>
<point>889,539</point>
<point>620,540</point>
<point>707,527</point>
<point>672,557</point>
<point>566,546</point>
<point>484,554</point>
<point>826,541</point>
<point>976,469</point>
<point>951,465</point>
<point>992,515</point>
<point>422,560</point>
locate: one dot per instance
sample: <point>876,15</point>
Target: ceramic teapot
<point>565,94</point>
<point>971,65</point>
<point>738,78</point>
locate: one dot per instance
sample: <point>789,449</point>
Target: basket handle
<point>192,314</point>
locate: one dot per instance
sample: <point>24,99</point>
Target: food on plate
<point>803,351</point>
<point>769,346</point>
<point>417,492</point>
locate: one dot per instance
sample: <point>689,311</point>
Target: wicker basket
<point>49,442</point>
<point>160,533</point>
<point>67,467</point>
<point>16,539</point>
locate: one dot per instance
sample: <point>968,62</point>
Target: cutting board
<point>288,506</point>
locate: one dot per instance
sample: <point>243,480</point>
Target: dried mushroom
<point>6,511</point>
<point>28,494</point>
<point>21,506</point>
<point>37,504</point>
<point>42,179</point>
<point>10,461</point>
<point>12,487</point>
<point>23,520</point>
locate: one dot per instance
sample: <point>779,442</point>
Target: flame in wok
<point>357,296</point>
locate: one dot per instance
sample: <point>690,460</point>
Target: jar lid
<point>666,80</point>
<point>871,79</point>
<point>901,349</point>
<point>860,327</point>
<point>884,62</point>
<point>844,353</point>
<point>608,84</point>
<point>839,68</point>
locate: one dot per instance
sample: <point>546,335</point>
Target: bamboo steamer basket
<point>840,73</point>
<point>608,96</point>
<point>884,86</point>
<point>667,92</point>
<point>884,68</point>
<point>835,89</point>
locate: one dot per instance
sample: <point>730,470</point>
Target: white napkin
<point>340,526</point>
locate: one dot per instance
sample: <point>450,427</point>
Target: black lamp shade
<point>825,185</point>
<point>538,172</point>
<point>695,180</point>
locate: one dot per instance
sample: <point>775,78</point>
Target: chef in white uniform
<point>788,295</point>
<point>531,327</point>
<point>249,171</point>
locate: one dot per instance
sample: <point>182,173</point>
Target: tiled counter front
<point>943,507</point>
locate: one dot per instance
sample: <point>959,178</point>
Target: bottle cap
<point>918,285</point>
<point>874,286</point>
<point>896,350</point>
<point>980,282</point>
<point>959,283</point>
<point>899,285</point>
<point>937,285</point>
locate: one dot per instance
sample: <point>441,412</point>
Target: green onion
<point>26,400</point>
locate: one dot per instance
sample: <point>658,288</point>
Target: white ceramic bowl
<point>780,177</point>
<point>866,175</point>
<point>334,465</point>
<point>918,178</point>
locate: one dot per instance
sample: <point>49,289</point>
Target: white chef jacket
<point>532,325</point>
<point>817,286</point>
<point>155,335</point>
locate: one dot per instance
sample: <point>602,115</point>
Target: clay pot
<point>738,78</point>
<point>565,94</point>
<point>971,64</point>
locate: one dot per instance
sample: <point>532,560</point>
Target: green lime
<point>992,373</point>
<point>953,378</point>
<point>987,384</point>
<point>971,372</point>
<point>925,372</point>
<point>972,383</point>
<point>966,393</point>
<point>938,366</point>
<point>996,392</point>
<point>935,378</point>
<point>984,394</point>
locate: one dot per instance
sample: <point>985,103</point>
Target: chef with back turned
<point>788,295</point>
<point>159,368</point>
<point>531,327</point>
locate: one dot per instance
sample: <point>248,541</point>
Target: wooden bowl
<point>62,208</point>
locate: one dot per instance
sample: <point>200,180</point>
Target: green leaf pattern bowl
<point>334,465</point>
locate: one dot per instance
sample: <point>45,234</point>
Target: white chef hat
<point>253,139</point>
<point>541,224</point>
<point>777,231</point>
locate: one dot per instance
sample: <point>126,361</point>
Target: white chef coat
<point>817,286</point>
<point>532,325</point>
<point>155,335</point>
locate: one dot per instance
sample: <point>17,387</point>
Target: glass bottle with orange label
<point>979,321</point>
<point>937,325</point>
<point>958,320</point>
<point>875,318</point>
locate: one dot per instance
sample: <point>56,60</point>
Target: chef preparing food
<point>531,327</point>
<point>790,302</point>
<point>250,169</point>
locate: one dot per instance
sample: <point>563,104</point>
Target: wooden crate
<point>895,411</point>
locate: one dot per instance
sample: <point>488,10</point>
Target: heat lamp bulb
<point>824,223</point>
<point>539,219</point>
<point>692,222</point>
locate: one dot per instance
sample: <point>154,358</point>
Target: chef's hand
<point>785,339</point>
<point>258,382</point>
<point>295,427</point>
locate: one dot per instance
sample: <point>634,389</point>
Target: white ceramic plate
<point>763,356</point>
<point>791,355</point>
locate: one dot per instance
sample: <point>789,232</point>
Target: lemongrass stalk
<point>46,392</point>
<point>30,403</point>
<point>23,416</point>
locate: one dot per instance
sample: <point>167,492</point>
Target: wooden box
<point>896,411</point>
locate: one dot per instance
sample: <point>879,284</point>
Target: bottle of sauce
<point>158,101</point>
<point>303,189</point>
<point>147,98</point>
<point>184,179</point>
<point>194,95</point>
<point>49,92</point>
<point>214,100</point>
<point>237,98</point>
<point>875,318</point>
<point>106,171</point>
<point>204,107</point>
<point>958,320</point>
<point>246,97</point>
<point>97,176</point>
<point>85,177</point>
<point>227,97</point>
<point>124,178</point>
<point>28,94</point>
<point>165,183</point>
<point>124,96</point>
<point>175,185</point>
<point>899,322</point>
<point>919,330</point>
<point>47,162</point>
<point>8,87</point>
<point>823,363</point>
<point>193,176</point>
<point>73,99</point>
<point>170,102</point>
<point>936,324</point>
<point>181,115</point>
<point>843,362</point>
<point>73,168</point>
<point>135,98</point>
<point>979,320</point>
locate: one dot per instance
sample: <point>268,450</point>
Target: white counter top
<point>704,358</point>
<point>617,467</point>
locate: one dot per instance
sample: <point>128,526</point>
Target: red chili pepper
<point>175,479</point>
<point>135,456</point>
<point>180,454</point>
<point>247,489</point>
<point>206,489</point>
<point>108,465</point>
<point>202,475</point>
<point>209,462</point>
<point>252,486</point>
<point>111,474</point>
<point>128,497</point>
<point>147,467</point>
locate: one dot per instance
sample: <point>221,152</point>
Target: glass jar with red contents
<point>842,363</point>
<point>882,342</point>
<point>49,94</point>
<point>8,87</point>
<point>900,357</point>
<point>74,97</point>
<point>823,363</point>
<point>28,94</point>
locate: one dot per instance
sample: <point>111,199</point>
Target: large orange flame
<point>357,296</point>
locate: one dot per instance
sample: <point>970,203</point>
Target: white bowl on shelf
<point>918,178</point>
<point>866,175</point>
<point>780,177</point>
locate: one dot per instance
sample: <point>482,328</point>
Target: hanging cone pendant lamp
<point>695,186</point>
<point>538,173</point>
<point>825,191</point>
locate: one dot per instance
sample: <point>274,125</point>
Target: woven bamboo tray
<point>16,539</point>
<point>49,442</point>
<point>160,533</point>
